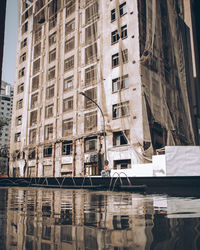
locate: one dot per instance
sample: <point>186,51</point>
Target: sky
<point>10,42</point>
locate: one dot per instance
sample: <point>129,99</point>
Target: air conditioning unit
<point>93,157</point>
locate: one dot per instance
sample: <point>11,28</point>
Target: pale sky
<point>10,42</point>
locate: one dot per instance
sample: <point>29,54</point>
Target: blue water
<point>32,218</point>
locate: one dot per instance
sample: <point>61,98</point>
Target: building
<point>6,103</point>
<point>131,57</point>
<point>2,30</point>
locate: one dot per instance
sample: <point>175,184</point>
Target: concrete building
<point>132,57</point>
<point>6,103</point>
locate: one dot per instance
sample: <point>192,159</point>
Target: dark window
<point>114,36</point>
<point>24,43</point>
<point>31,154</point>
<point>19,120</point>
<point>123,31</point>
<point>118,84</point>
<point>67,147</point>
<point>90,144</point>
<point>20,88</point>
<point>122,164</point>
<point>113,15</point>
<point>122,9</point>
<point>120,109</point>
<point>121,138</point>
<point>47,151</point>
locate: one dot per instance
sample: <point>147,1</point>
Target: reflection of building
<point>6,103</point>
<point>132,57</point>
<point>3,218</point>
<point>71,219</point>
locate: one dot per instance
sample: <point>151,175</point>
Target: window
<point>31,154</point>
<point>34,100</point>
<point>122,164</point>
<point>36,66</point>
<point>69,27</point>
<point>69,63</point>
<point>68,83</point>
<point>66,170</point>
<point>114,37</point>
<point>52,55</point>
<point>123,31</point>
<point>118,84</point>
<point>90,75</point>
<point>115,58</point>
<point>91,93</point>
<point>37,50</point>
<point>24,43</point>
<point>33,118</point>
<point>113,15</point>
<point>22,57</point>
<point>121,138</point>
<point>90,121</point>
<point>70,7</point>
<point>50,92</point>
<point>67,127</point>
<point>90,144</point>
<point>52,39</point>
<point>68,104</point>
<point>49,111</point>
<point>19,104</point>
<point>19,120</point>
<point>67,147</point>
<point>47,151</point>
<point>17,137</point>
<point>120,109</point>
<point>52,22</point>
<point>32,136</point>
<point>38,35</point>
<point>69,44</point>
<point>48,132</point>
<point>91,33</point>
<point>21,72</point>
<point>25,28</point>
<point>35,83</point>
<point>51,73</point>
<point>122,9</point>
<point>20,88</point>
<point>91,13</point>
<point>91,53</point>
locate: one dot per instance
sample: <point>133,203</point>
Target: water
<point>45,219</point>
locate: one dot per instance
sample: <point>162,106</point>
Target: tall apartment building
<point>131,57</point>
<point>6,103</point>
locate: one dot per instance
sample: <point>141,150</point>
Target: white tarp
<point>182,160</point>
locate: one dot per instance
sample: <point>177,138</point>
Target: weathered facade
<point>131,57</point>
<point>6,103</point>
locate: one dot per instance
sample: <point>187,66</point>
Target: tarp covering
<point>182,160</point>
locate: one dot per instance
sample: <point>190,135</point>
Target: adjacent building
<point>133,58</point>
<point>6,103</point>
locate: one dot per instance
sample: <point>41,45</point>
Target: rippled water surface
<point>45,219</point>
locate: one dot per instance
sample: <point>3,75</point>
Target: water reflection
<point>75,219</point>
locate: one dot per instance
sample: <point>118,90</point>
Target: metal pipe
<point>104,124</point>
